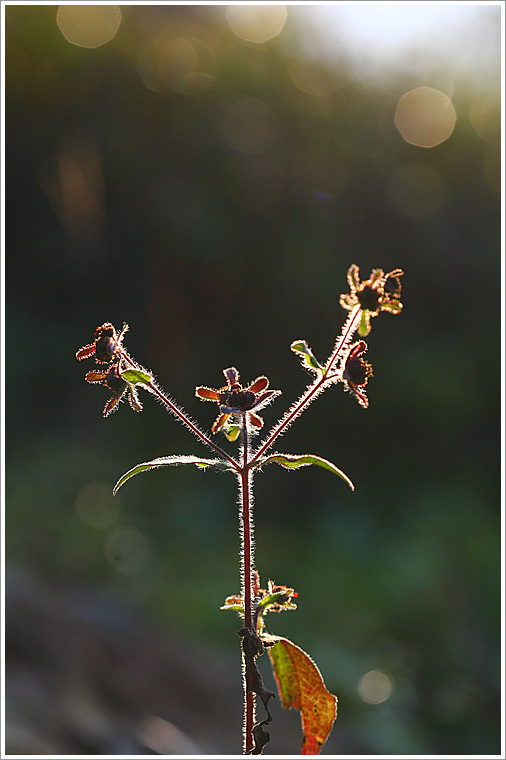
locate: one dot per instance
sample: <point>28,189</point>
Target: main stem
<point>247,562</point>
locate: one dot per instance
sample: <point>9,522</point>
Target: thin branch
<point>313,390</point>
<point>181,415</point>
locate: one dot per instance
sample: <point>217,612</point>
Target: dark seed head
<point>357,371</point>
<point>114,381</point>
<point>242,400</point>
<point>106,341</point>
<point>368,298</point>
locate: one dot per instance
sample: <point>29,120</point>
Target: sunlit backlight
<point>127,550</point>
<point>88,26</point>
<point>256,23</point>
<point>425,117</point>
<point>180,64</point>
<point>379,38</point>
<point>375,687</point>
<point>249,125</point>
<point>415,190</point>
<point>96,506</point>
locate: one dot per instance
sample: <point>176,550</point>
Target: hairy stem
<point>247,562</point>
<point>342,341</point>
<point>182,416</point>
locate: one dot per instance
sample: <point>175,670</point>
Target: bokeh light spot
<point>96,506</point>
<point>164,738</point>
<point>88,25</point>
<point>74,185</point>
<point>415,190</point>
<point>178,64</point>
<point>375,687</point>
<point>177,61</point>
<point>312,78</point>
<point>127,550</point>
<point>486,119</point>
<point>248,125</point>
<point>256,23</point>
<point>425,117</point>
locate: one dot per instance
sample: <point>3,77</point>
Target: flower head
<point>107,349</point>
<point>234,400</point>
<point>381,292</point>
<point>106,346</point>
<point>120,388</point>
<point>356,372</point>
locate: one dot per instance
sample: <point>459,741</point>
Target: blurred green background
<point>208,178</point>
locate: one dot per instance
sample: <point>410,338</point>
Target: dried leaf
<point>260,736</point>
<point>300,685</point>
<point>252,646</point>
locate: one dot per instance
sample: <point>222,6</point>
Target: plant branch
<point>182,416</point>
<point>322,381</point>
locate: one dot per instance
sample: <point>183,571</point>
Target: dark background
<point>220,245</point>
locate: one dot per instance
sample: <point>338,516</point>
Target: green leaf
<point>235,607</point>
<point>293,461</point>
<point>166,461</point>
<point>234,602</point>
<point>306,356</point>
<point>281,599</point>
<point>135,376</point>
<point>364,327</point>
<point>232,432</point>
<point>300,685</point>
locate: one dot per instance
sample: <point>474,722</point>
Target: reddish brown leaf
<point>259,384</point>
<point>301,685</point>
<point>208,394</point>
<point>86,351</point>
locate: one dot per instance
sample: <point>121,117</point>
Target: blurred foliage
<point>219,221</point>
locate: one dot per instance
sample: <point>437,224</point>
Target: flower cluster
<point>107,348</point>
<point>380,292</point>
